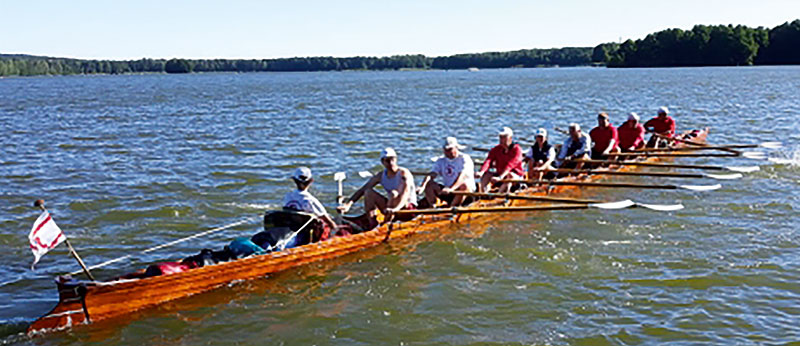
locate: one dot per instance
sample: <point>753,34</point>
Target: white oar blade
<point>364,174</point>
<point>661,207</point>
<point>339,176</point>
<point>700,187</point>
<point>723,176</point>
<point>743,169</point>
<point>754,155</point>
<point>613,205</point>
<point>771,145</point>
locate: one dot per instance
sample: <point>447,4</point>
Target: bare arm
<point>359,193</point>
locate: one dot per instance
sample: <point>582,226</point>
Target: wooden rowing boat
<point>83,302</point>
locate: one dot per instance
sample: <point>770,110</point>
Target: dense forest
<point>26,65</point>
<point>720,45</point>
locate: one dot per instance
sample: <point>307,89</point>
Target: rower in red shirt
<point>663,125</point>
<point>631,134</point>
<point>604,138</point>
<point>506,158</point>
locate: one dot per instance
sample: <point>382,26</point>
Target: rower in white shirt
<point>302,200</point>
<point>458,174</point>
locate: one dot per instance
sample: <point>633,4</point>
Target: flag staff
<point>40,203</point>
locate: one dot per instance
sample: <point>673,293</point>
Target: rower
<point>540,156</point>
<point>663,125</point>
<point>457,172</point>
<point>631,134</point>
<point>604,138</point>
<point>302,200</point>
<point>575,147</point>
<point>506,158</point>
<point>399,185</point>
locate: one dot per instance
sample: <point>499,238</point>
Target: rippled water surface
<point>130,162</point>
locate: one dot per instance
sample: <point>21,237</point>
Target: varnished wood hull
<point>82,302</point>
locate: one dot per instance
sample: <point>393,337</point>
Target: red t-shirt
<point>664,125</point>
<point>631,137</point>
<point>602,136</point>
<point>504,161</point>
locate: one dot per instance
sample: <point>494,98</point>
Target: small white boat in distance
<point>473,69</point>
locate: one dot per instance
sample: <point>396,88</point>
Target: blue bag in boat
<point>243,247</point>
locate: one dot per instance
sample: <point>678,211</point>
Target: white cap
<point>633,116</point>
<point>452,142</point>
<point>664,110</point>
<point>506,131</point>
<point>302,174</point>
<point>574,126</point>
<point>542,132</point>
<point>388,152</point>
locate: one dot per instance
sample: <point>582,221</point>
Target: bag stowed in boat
<point>210,257</point>
<point>284,229</point>
<point>243,247</point>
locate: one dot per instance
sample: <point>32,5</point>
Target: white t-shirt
<point>449,170</point>
<point>304,201</point>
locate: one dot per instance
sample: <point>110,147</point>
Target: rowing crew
<point>457,169</point>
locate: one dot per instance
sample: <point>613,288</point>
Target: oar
<point>686,141</point>
<point>615,185</point>
<point>659,207</point>
<point>339,177</point>
<point>467,210</point>
<point>651,174</point>
<point>765,145</point>
<point>524,197</point>
<point>748,155</point>
<point>739,169</point>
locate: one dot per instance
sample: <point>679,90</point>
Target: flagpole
<point>40,203</point>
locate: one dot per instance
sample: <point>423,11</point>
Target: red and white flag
<point>45,236</point>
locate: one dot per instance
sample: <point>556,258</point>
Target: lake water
<point>129,162</point>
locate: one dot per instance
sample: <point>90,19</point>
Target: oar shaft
<point>696,144</point>
<point>591,184</point>
<point>633,174</point>
<point>467,210</point>
<point>695,148</point>
<point>654,164</point>
<point>527,198</point>
<point>668,154</point>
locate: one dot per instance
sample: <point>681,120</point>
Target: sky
<point>234,29</point>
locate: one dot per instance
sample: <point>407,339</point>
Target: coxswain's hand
<point>447,190</point>
<point>390,214</point>
<point>344,208</point>
<point>495,179</point>
<point>478,174</point>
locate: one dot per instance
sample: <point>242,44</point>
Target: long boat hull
<point>82,302</point>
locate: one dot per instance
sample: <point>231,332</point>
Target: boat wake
<point>790,158</point>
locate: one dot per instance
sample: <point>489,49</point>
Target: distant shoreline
<point>719,45</point>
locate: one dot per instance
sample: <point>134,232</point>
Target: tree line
<point>26,65</point>
<point>703,45</point>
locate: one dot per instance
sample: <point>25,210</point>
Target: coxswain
<point>506,158</point>
<point>540,156</point>
<point>458,174</point>
<point>631,134</point>
<point>302,200</point>
<point>575,147</point>
<point>604,138</point>
<point>662,124</point>
<point>398,184</point>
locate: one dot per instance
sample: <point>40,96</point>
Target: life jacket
<point>540,155</point>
